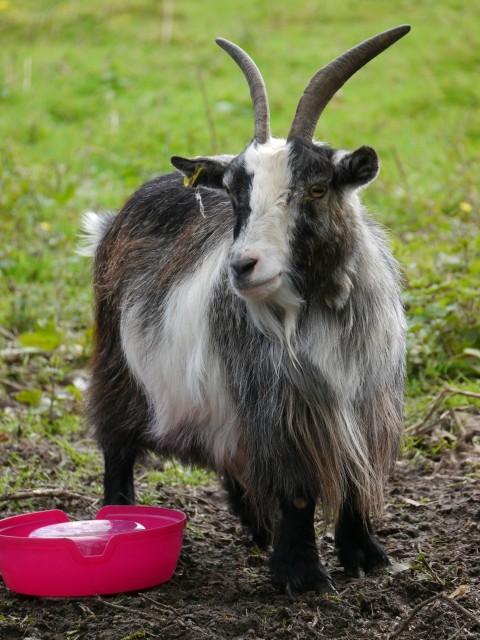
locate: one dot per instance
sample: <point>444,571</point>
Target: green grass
<point>96,96</point>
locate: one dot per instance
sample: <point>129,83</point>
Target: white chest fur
<point>176,366</point>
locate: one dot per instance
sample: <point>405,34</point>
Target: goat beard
<point>276,318</point>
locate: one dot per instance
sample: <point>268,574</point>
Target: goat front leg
<point>118,481</point>
<point>359,552</point>
<point>295,564</point>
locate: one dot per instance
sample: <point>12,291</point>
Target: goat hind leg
<point>241,506</point>
<point>119,413</point>
<point>359,552</point>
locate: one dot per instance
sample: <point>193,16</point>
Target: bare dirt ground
<point>431,531</point>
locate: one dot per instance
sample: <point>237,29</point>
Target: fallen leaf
<point>398,567</point>
<point>462,590</point>
<point>412,503</point>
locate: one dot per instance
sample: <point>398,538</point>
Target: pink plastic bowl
<point>126,548</point>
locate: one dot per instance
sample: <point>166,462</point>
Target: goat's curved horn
<point>256,85</point>
<point>326,82</point>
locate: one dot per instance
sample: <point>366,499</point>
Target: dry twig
<point>439,596</point>
<point>423,426</point>
<point>6,333</point>
<point>45,493</point>
<point>152,617</point>
<point>409,618</point>
<point>457,632</point>
<point>465,612</point>
<point>13,385</point>
<point>164,608</point>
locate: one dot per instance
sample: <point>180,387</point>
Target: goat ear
<point>358,168</point>
<point>204,170</point>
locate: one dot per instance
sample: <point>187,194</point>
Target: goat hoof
<point>295,580</point>
<point>291,593</point>
<point>364,558</point>
<point>325,585</point>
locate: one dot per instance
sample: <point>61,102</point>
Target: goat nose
<point>243,266</point>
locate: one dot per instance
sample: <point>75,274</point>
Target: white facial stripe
<point>266,238</point>
<point>267,230</point>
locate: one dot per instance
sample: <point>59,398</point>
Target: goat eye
<point>317,191</point>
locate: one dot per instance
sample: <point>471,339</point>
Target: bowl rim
<point>56,516</point>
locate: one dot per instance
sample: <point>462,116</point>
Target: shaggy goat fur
<point>253,324</point>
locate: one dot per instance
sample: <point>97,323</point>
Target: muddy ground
<point>431,531</point>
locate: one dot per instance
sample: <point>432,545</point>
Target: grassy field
<point>95,96</point>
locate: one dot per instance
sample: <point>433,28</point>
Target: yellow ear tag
<point>191,181</point>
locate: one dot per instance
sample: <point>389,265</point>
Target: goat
<point>253,324</point>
